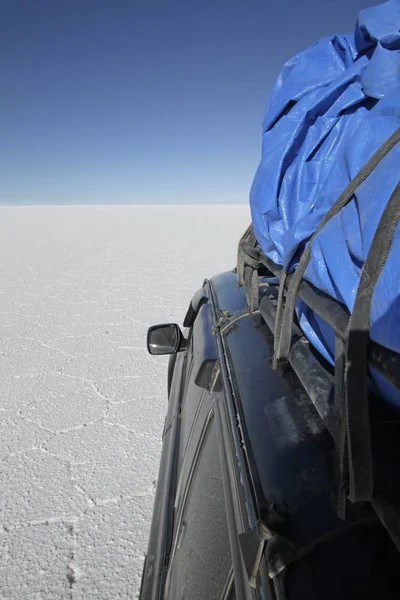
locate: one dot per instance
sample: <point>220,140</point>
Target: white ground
<point>81,403</point>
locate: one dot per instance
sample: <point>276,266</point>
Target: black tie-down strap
<point>354,445</point>
<point>248,264</point>
<point>355,439</point>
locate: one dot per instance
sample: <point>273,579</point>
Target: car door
<point>205,561</point>
<point>193,547</point>
<point>201,562</point>
<point>181,375</point>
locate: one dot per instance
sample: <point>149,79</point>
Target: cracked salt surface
<point>82,405</point>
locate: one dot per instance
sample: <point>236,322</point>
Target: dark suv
<point>245,504</point>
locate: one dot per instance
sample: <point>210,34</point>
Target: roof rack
<point>335,314</point>
<point>324,387</point>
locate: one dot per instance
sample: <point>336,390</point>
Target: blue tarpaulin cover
<point>331,108</point>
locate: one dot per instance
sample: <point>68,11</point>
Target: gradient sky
<point>119,101</point>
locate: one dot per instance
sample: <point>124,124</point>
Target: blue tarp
<point>331,108</point>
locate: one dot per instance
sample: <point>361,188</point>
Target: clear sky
<point>119,101</point>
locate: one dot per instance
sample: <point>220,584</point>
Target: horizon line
<point>86,204</point>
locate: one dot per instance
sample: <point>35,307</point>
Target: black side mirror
<point>164,339</point>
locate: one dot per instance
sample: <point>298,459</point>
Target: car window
<point>191,398</point>
<point>190,406</point>
<point>201,558</point>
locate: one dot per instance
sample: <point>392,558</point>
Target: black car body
<point>245,505</point>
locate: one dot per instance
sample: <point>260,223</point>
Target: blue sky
<point>143,101</point>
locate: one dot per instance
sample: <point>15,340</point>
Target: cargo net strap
<point>354,447</point>
<point>354,443</point>
<point>248,264</point>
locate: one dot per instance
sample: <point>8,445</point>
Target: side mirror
<point>164,339</point>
